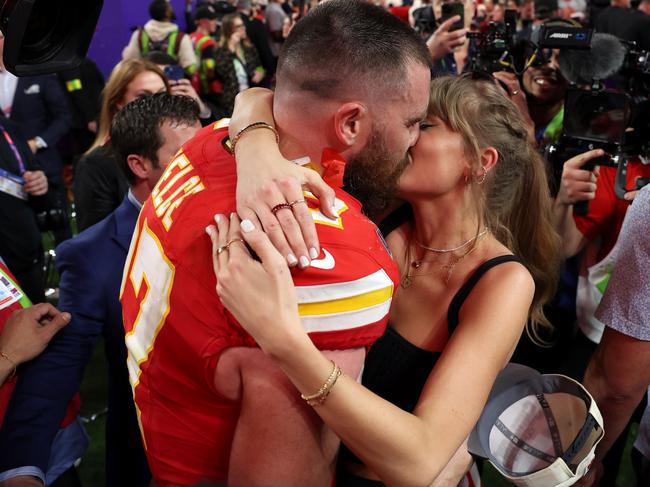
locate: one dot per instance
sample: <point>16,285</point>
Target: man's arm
<point>47,384</point>
<point>576,185</point>
<point>617,377</point>
<point>277,432</point>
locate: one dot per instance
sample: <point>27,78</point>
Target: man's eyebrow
<point>417,118</point>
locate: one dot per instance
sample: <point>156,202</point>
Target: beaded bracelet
<point>319,397</point>
<point>248,128</point>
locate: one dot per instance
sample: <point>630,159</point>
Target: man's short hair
<point>136,127</point>
<point>342,45</point>
<point>158,10</point>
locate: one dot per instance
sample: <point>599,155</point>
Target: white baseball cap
<point>538,430</point>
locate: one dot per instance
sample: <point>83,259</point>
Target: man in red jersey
<point>211,405</point>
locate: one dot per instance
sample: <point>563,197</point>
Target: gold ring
<point>297,202</point>
<point>223,248</point>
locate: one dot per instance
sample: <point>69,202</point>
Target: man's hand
<point>28,331</point>
<point>35,183</point>
<point>510,83</point>
<point>579,184</point>
<point>22,481</point>
<point>33,145</point>
<point>443,42</point>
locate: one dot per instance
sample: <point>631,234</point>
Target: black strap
<point>460,297</point>
<point>552,424</point>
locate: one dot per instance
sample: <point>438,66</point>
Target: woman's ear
<point>352,124</point>
<point>489,158</point>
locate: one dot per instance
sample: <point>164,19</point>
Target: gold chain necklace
<point>407,280</point>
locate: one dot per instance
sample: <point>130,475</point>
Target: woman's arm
<point>400,447</point>
<point>265,178</point>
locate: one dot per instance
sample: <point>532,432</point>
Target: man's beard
<point>371,176</point>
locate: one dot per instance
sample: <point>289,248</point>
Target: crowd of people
<point>312,235</point>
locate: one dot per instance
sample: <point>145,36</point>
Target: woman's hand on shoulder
<point>259,293</point>
<point>266,179</point>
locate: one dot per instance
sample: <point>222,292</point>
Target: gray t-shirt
<point>625,306</point>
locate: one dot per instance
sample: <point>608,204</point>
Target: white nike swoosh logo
<point>326,262</point>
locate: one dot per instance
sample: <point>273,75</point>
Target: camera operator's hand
<point>35,183</point>
<point>578,184</point>
<point>510,83</point>
<point>443,42</point>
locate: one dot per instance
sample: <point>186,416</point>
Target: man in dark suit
<point>39,107</point>
<point>146,135</point>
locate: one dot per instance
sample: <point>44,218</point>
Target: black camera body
<point>495,45</point>
<point>46,36</point>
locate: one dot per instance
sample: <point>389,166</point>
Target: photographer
<point>23,187</point>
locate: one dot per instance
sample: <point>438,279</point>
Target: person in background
<point>146,134</point>
<point>258,35</point>
<point>99,185</point>
<point>619,372</point>
<point>180,85</point>
<point>39,107</point>
<point>161,34</point>
<point>83,86</point>
<point>208,86</point>
<point>25,331</point>
<point>275,18</point>
<point>23,194</point>
<point>238,64</point>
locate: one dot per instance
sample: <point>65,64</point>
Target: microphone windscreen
<point>604,59</point>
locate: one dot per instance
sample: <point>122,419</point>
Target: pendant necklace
<point>407,280</point>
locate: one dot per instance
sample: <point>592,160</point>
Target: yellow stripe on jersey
<point>345,305</point>
<point>353,303</point>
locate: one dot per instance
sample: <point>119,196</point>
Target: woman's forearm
<point>398,446</point>
<point>252,105</point>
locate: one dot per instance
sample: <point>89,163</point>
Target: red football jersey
<point>176,327</point>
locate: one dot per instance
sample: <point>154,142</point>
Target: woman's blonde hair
<point>514,200</point>
<point>113,93</point>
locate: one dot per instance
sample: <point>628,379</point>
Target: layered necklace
<point>448,268</point>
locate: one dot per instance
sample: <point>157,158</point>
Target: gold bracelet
<point>249,128</point>
<point>13,372</point>
<point>319,397</point>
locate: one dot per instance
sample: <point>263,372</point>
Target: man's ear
<point>140,166</point>
<point>489,158</point>
<point>352,123</point>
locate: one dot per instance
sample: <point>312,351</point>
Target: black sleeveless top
<point>397,370</point>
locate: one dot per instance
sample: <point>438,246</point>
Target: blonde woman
<point>99,185</point>
<point>478,258</point>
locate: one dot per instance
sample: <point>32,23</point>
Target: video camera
<point>46,36</point>
<point>615,119</point>
<point>495,44</point>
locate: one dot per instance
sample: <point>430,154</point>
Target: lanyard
<point>10,141</point>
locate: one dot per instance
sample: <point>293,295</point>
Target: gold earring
<point>483,176</point>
